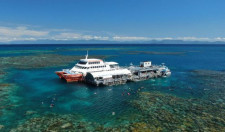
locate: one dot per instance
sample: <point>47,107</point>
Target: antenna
<point>87,55</point>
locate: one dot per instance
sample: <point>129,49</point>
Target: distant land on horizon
<point>112,42</point>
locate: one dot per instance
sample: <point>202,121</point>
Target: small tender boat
<point>70,77</point>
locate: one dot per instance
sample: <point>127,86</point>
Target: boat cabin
<point>145,64</point>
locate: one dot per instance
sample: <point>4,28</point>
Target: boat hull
<point>70,77</point>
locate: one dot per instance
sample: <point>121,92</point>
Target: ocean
<point>191,99</point>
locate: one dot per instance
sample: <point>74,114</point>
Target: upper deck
<point>92,64</point>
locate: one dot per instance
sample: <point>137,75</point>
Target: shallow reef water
<point>33,98</point>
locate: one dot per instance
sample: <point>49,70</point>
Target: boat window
<point>97,62</point>
<point>82,62</point>
<point>114,66</point>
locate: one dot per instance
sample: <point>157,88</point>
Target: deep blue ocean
<point>38,88</point>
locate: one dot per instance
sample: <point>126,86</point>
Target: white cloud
<point>21,31</point>
<point>76,36</point>
<point>25,33</point>
<point>11,39</point>
<point>127,38</point>
<point>194,39</point>
<point>219,39</point>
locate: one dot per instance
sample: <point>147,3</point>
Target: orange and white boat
<point>79,71</point>
<point>70,77</point>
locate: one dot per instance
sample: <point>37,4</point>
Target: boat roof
<point>138,68</point>
<point>111,63</point>
<point>90,60</point>
<point>105,74</point>
<point>145,61</point>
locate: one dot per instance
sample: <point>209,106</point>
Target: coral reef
<point>168,112</point>
<point>52,51</point>
<point>212,83</point>
<point>2,73</point>
<point>1,127</point>
<point>6,91</point>
<point>156,111</point>
<point>19,52</point>
<point>154,52</point>
<point>8,98</point>
<point>30,112</point>
<point>72,122</point>
<point>57,123</point>
<point>39,61</point>
<point>90,49</point>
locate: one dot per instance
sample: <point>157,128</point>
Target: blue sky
<point>112,20</point>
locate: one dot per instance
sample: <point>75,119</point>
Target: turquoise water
<point>38,88</point>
